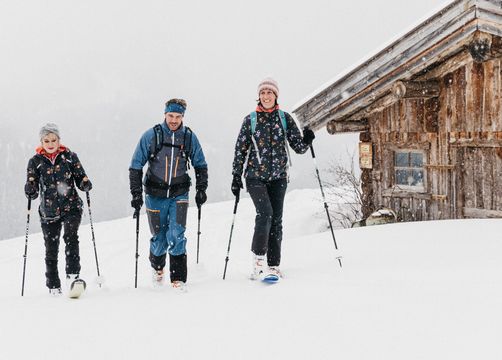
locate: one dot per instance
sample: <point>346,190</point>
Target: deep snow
<point>428,290</point>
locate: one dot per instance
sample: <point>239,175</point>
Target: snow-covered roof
<point>434,39</point>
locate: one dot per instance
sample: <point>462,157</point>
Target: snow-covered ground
<point>430,290</point>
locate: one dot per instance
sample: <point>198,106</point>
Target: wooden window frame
<point>423,168</point>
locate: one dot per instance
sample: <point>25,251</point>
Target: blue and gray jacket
<point>167,166</point>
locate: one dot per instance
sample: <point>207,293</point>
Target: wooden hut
<point>428,112</point>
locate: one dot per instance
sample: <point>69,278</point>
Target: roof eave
<point>437,38</point>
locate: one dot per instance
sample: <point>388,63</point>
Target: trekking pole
<point>26,244</point>
<point>230,239</point>
<point>198,230</point>
<point>136,216</point>
<point>99,280</point>
<point>325,203</point>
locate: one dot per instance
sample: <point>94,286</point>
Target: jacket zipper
<point>171,167</point>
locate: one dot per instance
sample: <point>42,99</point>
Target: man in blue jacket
<point>168,148</point>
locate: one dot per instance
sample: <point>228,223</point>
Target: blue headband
<point>176,108</point>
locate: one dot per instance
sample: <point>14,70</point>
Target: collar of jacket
<point>169,131</point>
<point>260,108</point>
<point>51,157</point>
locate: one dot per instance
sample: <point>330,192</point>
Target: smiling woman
<point>54,173</point>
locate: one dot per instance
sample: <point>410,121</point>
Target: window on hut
<point>409,169</point>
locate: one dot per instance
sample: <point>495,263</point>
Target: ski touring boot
<point>258,267</point>
<point>273,275</point>
<point>158,278</point>
<point>55,292</point>
<point>179,285</point>
<point>76,286</point>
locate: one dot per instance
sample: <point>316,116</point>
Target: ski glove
<point>200,197</point>
<point>308,136</point>
<point>86,185</point>
<point>201,178</point>
<point>236,185</point>
<point>31,190</point>
<point>137,202</point>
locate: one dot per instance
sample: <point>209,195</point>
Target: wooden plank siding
<point>461,134</point>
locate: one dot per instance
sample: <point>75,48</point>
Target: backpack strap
<point>285,128</point>
<point>254,117</point>
<point>186,151</point>
<point>283,120</point>
<point>157,141</point>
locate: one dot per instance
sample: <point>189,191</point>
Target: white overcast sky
<point>102,70</point>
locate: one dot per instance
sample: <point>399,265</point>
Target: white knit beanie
<point>269,83</point>
<point>47,129</point>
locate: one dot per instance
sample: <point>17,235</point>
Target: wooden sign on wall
<point>365,155</point>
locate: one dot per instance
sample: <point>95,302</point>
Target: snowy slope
<point>407,291</point>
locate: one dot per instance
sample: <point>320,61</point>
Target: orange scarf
<point>40,150</point>
<point>260,108</point>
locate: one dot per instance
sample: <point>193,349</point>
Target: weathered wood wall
<point>461,133</point>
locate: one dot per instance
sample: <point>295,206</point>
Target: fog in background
<point>102,70</point>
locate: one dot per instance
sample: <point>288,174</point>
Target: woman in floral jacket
<point>265,134</point>
<point>53,173</point>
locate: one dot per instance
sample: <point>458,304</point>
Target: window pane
<point>418,178</point>
<point>402,177</point>
<point>402,159</point>
<point>416,159</point>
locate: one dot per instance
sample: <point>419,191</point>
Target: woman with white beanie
<point>54,172</point>
<point>265,134</point>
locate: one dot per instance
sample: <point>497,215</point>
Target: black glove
<point>236,185</point>
<point>308,136</point>
<point>200,197</point>
<point>31,190</point>
<point>201,179</point>
<point>135,184</point>
<point>137,202</point>
<point>86,185</point>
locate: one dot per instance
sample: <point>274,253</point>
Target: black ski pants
<point>268,199</point>
<point>52,232</point>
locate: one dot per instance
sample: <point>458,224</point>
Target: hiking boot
<point>258,267</point>
<point>56,292</point>
<point>158,278</point>
<point>179,285</point>
<point>275,271</point>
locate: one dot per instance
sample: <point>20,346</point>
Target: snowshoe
<point>273,275</point>
<point>77,288</point>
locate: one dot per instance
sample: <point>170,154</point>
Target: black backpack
<point>157,144</point>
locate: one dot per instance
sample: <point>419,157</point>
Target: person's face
<point>267,98</point>
<point>173,120</point>
<point>50,143</point>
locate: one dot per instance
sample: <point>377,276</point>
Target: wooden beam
<point>415,89</point>
<point>447,66</point>
<point>334,127</point>
<point>378,105</point>
<point>482,213</point>
<point>399,193</point>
